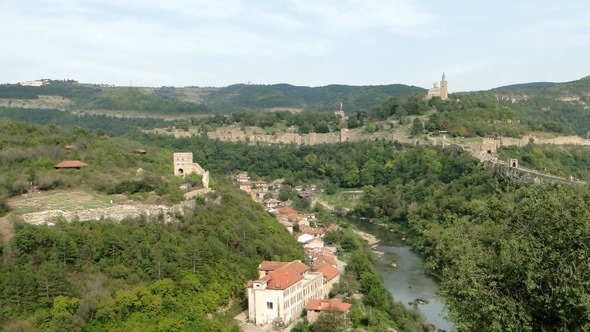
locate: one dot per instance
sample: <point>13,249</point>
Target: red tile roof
<point>271,266</point>
<point>323,260</point>
<point>71,164</point>
<point>286,210</point>
<point>311,230</point>
<point>317,304</point>
<point>283,274</point>
<point>297,267</point>
<point>281,279</point>
<point>329,272</point>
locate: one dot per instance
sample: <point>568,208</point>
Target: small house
<point>71,164</point>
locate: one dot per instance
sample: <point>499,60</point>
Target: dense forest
<point>135,274</point>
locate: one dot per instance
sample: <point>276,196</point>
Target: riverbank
<point>371,240</point>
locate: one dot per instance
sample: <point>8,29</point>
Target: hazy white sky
<point>478,44</point>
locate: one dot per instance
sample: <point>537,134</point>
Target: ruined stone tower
<point>183,165</point>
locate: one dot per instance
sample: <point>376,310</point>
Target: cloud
<point>398,16</point>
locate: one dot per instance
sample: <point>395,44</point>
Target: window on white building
<point>269,305</point>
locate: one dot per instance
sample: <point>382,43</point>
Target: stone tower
<point>444,88</point>
<point>183,164</point>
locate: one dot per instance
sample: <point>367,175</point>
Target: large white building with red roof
<point>282,291</point>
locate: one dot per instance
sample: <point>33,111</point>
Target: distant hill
<point>192,100</point>
<point>321,99</point>
<point>565,103</point>
<point>527,86</point>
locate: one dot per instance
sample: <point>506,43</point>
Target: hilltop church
<point>441,91</point>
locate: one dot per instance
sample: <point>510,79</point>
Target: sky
<point>479,45</point>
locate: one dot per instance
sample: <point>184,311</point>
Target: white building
<point>31,83</point>
<point>282,291</point>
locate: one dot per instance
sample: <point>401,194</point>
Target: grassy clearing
<point>66,200</point>
<point>345,199</point>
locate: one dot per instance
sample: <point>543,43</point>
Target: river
<point>403,272</point>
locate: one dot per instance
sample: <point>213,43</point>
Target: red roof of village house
<point>294,266</point>
<point>317,304</point>
<point>71,164</point>
<point>284,274</point>
<point>311,230</point>
<point>281,279</point>
<point>329,272</point>
<point>271,266</point>
<point>320,261</point>
<point>286,210</point>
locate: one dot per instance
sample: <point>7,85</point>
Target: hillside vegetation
<point>511,257</point>
<point>137,274</point>
<point>319,99</point>
<point>567,104</point>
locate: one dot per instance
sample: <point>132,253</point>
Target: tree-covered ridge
<point>76,92</point>
<point>526,86</point>
<point>136,99</point>
<point>133,275</point>
<point>322,99</point>
<point>109,125</point>
<point>563,103</point>
<point>565,161</point>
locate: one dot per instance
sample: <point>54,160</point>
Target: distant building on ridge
<point>441,91</point>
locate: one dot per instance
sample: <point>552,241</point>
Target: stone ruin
<point>184,165</point>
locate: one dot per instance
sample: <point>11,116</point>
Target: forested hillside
<point>134,275</point>
<point>137,274</point>
<point>319,99</point>
<point>564,103</point>
<point>224,100</point>
<point>511,257</point>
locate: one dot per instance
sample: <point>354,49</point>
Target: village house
<point>316,306</point>
<point>315,232</point>
<point>291,214</point>
<point>282,292</point>
<point>270,203</point>
<point>288,225</point>
<point>245,186</point>
<point>320,257</point>
<point>314,243</point>
<point>331,277</point>
<point>71,164</point>
<point>243,177</point>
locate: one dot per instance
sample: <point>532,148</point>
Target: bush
<point>4,208</point>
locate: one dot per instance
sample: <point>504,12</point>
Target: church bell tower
<point>444,88</point>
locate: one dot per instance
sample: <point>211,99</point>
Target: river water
<point>403,272</point>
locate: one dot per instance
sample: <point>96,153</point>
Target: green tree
<point>417,127</point>
<point>331,320</point>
